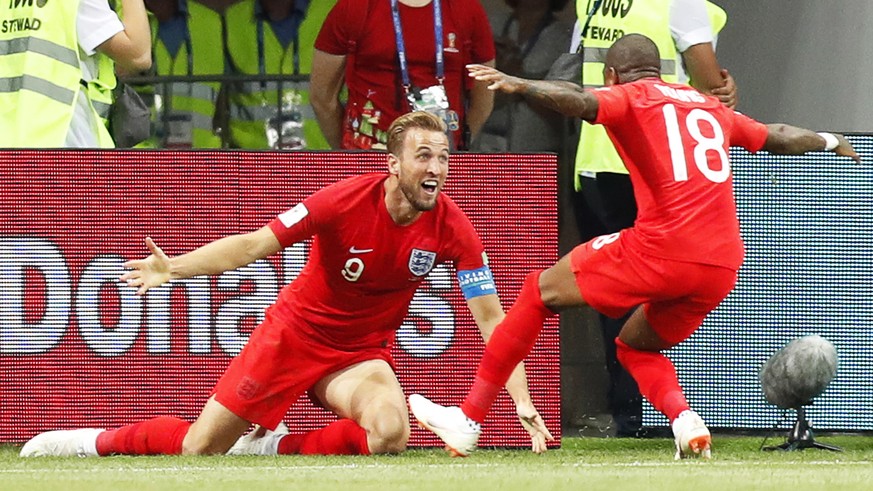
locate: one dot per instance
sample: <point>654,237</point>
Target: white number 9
<point>353,269</point>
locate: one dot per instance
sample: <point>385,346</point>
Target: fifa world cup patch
<point>421,262</point>
<point>294,215</point>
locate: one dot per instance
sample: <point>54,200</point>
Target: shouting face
<point>422,167</point>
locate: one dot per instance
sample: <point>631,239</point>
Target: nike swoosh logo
<point>352,250</point>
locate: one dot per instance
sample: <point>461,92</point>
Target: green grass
<point>582,464</point>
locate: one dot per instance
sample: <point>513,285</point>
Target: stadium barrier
<point>80,349</point>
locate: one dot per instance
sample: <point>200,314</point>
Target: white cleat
<point>692,437</point>
<point>459,432</point>
<point>63,443</point>
<point>259,441</point>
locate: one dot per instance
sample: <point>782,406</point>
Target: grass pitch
<point>581,464</point>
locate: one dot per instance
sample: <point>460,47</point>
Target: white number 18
<point>704,144</point>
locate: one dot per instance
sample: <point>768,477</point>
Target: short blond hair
<point>417,119</point>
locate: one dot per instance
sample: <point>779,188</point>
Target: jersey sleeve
<point>748,133</point>
<point>335,36</point>
<point>690,24</point>
<point>304,220</point>
<point>95,24</point>
<point>613,104</point>
<point>464,246</point>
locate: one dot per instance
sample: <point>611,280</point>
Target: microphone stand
<point>801,437</point>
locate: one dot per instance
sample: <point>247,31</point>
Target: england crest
<point>421,262</point>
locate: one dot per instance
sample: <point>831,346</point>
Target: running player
<point>678,261</point>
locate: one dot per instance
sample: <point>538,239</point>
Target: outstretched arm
<point>213,258</point>
<point>325,84</point>
<point>487,312</point>
<point>566,98</point>
<point>791,140</point>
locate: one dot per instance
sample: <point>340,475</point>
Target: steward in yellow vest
<point>185,41</point>
<point>40,73</point>
<point>613,20</point>
<point>257,45</point>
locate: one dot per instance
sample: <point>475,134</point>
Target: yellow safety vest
<point>100,89</point>
<point>596,152</point>
<point>252,104</point>
<point>192,102</point>
<point>39,72</point>
<point>717,17</point>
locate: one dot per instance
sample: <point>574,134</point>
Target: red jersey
<point>363,268</point>
<point>364,31</point>
<point>674,141</point>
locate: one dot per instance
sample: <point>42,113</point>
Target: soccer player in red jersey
<point>376,236</point>
<point>678,261</point>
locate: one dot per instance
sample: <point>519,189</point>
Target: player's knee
<point>543,283</point>
<point>203,446</point>
<point>387,430</point>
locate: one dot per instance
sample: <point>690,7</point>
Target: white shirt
<point>95,24</point>
<point>689,26</point>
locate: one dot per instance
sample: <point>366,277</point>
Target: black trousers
<point>603,205</point>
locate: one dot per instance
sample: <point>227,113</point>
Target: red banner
<point>80,349</point>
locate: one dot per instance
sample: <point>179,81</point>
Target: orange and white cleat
<point>455,429</point>
<point>692,436</point>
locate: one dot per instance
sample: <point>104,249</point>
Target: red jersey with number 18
<point>674,141</point>
<point>363,268</point>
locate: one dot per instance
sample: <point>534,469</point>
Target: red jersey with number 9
<point>674,141</point>
<point>364,268</point>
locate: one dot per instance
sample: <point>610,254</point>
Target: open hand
<point>846,149</point>
<point>496,79</point>
<point>149,272</point>
<point>535,426</point>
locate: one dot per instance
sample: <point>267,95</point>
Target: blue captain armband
<point>477,282</point>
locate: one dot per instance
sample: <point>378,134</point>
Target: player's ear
<point>610,76</point>
<point>393,164</point>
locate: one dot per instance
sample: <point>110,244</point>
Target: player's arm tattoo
<point>566,98</point>
<point>785,139</point>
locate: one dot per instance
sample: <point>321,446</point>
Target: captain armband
<point>831,141</point>
<point>477,282</point>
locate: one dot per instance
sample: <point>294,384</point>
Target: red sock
<point>656,376</point>
<point>343,437</point>
<point>510,342</point>
<point>156,436</point>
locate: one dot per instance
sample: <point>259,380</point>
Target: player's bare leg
<point>558,288</point>
<point>373,418</point>
<point>215,431</point>
<point>639,349</point>
<point>369,394</point>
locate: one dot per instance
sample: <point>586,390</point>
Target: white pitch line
<point>426,466</point>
